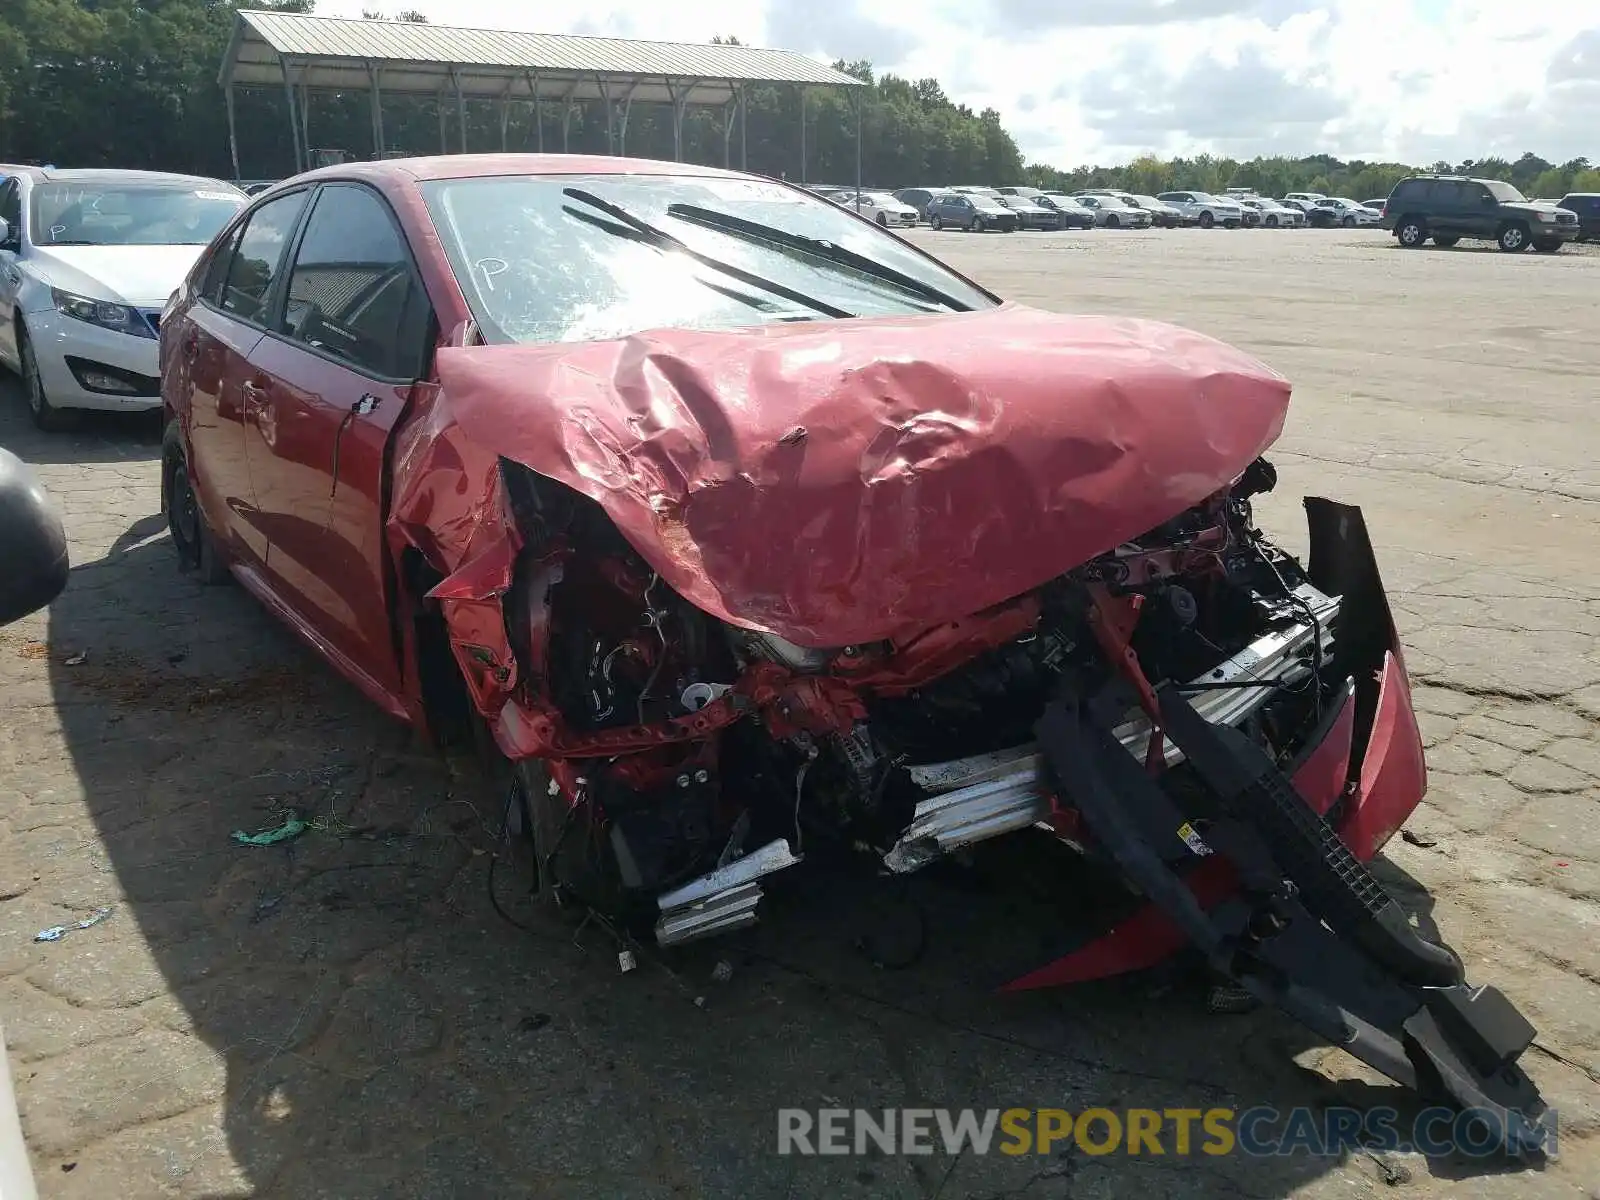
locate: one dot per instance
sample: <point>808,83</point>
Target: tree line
<point>133,83</point>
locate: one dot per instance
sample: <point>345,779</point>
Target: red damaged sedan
<point>749,532</point>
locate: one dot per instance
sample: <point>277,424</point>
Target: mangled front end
<point>908,585</point>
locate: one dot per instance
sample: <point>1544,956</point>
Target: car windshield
<point>539,261</point>
<point>1504,192</point>
<point>881,199</point>
<point>97,214</point>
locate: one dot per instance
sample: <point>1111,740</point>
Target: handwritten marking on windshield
<point>489,268</point>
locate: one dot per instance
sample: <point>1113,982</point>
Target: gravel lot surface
<point>346,1017</point>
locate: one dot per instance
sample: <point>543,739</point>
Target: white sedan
<point>87,261</point>
<point>1347,212</point>
<point>880,207</point>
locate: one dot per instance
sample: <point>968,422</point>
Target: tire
<point>1272,222</point>
<point>883,220</point>
<point>1349,222</point>
<point>1513,239</point>
<point>1113,221</point>
<point>186,523</point>
<point>1411,233</point>
<point>1207,220</point>
<point>935,222</point>
<point>1547,245</point>
<point>45,415</point>
<point>1445,241</point>
<point>977,225</point>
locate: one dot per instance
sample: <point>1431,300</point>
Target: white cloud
<point>1105,80</point>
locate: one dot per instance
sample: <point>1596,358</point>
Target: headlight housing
<point>107,314</point>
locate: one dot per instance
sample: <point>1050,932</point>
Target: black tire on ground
<point>977,225</point>
<point>1445,241</point>
<point>1411,233</point>
<point>1207,220</point>
<point>1349,222</point>
<point>1513,239</point>
<point>1272,222</point>
<point>1547,245</point>
<point>1113,221</point>
<point>191,537</point>
<point>883,220</point>
<point>45,415</point>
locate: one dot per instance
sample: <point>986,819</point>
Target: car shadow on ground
<point>347,1015</point>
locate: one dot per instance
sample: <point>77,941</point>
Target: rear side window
<point>257,261</point>
<point>353,290</point>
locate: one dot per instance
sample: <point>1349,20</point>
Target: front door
<point>329,382</point>
<point>10,270</point>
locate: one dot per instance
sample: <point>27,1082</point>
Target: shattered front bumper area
<point>1267,879</point>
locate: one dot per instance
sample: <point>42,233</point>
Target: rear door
<point>217,334</point>
<point>332,378</point>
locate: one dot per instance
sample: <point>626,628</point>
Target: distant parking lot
<point>348,1018</point>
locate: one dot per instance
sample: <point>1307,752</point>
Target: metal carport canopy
<point>338,54</point>
<point>316,53</point>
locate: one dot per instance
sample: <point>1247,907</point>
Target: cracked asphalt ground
<point>346,1016</point>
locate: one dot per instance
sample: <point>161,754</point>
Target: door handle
<point>253,392</point>
<point>191,346</point>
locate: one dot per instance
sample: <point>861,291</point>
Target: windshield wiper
<point>828,251</point>
<point>662,240</point>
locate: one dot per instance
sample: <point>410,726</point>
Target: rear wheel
<point>1349,222</point>
<point>1547,245</point>
<point>1513,239</point>
<point>191,538</point>
<point>1112,222</point>
<point>1411,233</point>
<point>45,415</point>
<point>1207,220</point>
<point>934,222</point>
<point>1445,240</point>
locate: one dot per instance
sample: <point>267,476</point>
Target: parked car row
<point>977,208</point>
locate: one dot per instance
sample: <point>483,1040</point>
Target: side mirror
<point>1487,200</point>
<point>33,545</point>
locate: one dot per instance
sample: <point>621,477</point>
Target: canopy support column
<point>233,132</point>
<point>680,101</point>
<point>611,129</point>
<point>505,115</point>
<point>727,127</point>
<point>538,107</point>
<point>375,74</point>
<point>802,135</point>
<point>444,144</point>
<point>861,103</point>
<point>294,117</point>
<point>305,121</point>
<point>461,108</point>
<point>627,108</point>
<point>744,128</point>
<point>566,119</point>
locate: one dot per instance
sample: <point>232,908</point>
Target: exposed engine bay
<point>686,742</point>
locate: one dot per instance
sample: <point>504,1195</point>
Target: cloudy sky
<point>1081,81</point>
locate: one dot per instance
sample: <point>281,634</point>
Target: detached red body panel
<point>843,481</point>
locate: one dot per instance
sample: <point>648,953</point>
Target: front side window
<point>11,208</point>
<point>257,261</point>
<point>589,257</point>
<point>89,213</point>
<point>353,290</point>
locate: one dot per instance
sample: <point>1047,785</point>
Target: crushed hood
<point>836,482</point>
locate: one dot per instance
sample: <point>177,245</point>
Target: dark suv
<point>1448,208</point>
<point>961,210</point>
<point>1587,206</point>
